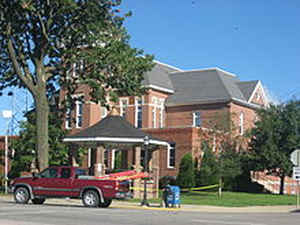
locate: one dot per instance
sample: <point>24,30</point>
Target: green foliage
<point>186,176</point>
<point>118,160</point>
<point>41,41</point>
<point>163,181</point>
<point>208,173</point>
<point>275,136</point>
<point>24,146</point>
<point>230,165</point>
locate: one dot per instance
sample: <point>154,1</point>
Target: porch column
<point>138,184</point>
<point>72,155</point>
<point>99,167</point>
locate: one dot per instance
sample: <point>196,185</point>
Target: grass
<point>232,199</point>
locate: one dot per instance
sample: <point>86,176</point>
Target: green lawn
<point>233,199</point>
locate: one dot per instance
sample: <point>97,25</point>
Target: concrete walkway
<point>191,208</point>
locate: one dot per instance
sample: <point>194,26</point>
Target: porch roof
<point>113,129</point>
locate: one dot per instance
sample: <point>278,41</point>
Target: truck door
<point>45,183</point>
<point>65,183</point>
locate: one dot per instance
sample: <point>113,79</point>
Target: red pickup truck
<point>66,181</point>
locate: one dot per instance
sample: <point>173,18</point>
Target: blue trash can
<point>174,196</point>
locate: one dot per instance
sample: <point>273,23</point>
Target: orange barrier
<point>126,175</point>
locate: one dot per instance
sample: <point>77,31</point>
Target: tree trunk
<point>282,184</point>
<point>42,117</point>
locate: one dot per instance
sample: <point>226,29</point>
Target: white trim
<point>208,69</point>
<point>159,88</point>
<point>259,85</point>
<point>89,157</point>
<point>68,121</point>
<point>78,103</point>
<point>114,139</point>
<point>121,105</point>
<point>241,123</point>
<point>167,65</point>
<point>168,157</point>
<point>194,118</point>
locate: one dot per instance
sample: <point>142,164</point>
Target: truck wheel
<point>21,195</point>
<point>38,201</point>
<point>105,204</point>
<point>90,198</point>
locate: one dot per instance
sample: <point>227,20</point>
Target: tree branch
<point>16,65</point>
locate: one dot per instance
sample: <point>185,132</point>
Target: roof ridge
<point>223,84</point>
<point>207,69</point>
<point>167,65</point>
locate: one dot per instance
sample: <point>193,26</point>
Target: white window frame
<point>138,102</point>
<point>154,117</point>
<point>123,107</point>
<point>79,104</point>
<point>169,156</point>
<point>195,117</point>
<point>161,118</point>
<point>241,123</point>
<point>68,120</point>
<point>104,112</point>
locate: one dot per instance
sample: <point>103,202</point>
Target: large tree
<point>275,136</point>
<point>41,40</point>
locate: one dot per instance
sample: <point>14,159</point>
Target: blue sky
<point>256,40</point>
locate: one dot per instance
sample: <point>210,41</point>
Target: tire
<point>90,199</point>
<point>105,204</point>
<point>38,201</point>
<point>21,195</point>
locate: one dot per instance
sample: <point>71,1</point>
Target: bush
<point>186,176</point>
<point>208,173</point>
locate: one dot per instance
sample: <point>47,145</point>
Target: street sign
<point>295,157</point>
<point>296,173</point>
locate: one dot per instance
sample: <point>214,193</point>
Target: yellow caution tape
<point>201,188</point>
<point>185,189</point>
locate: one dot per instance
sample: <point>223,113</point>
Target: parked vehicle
<point>66,181</point>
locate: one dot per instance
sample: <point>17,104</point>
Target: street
<point>68,214</point>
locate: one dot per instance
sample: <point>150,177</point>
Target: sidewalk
<point>190,208</point>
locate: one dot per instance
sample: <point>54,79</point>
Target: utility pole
<point>6,114</point>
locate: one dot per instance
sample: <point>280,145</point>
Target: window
<point>138,113</point>
<point>103,112</point>
<point>241,124</point>
<point>197,119</point>
<point>49,173</point>
<point>154,117</point>
<point>171,155</point>
<point>80,172</point>
<point>65,173</point>
<point>161,118</point>
<point>105,158</point>
<point>123,107</point>
<point>68,118</point>
<point>79,109</point>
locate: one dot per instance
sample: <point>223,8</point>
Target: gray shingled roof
<point>204,86</point>
<point>247,88</point>
<point>112,129</point>
<point>159,76</point>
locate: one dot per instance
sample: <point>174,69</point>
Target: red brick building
<point>178,106</point>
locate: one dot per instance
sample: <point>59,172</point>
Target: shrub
<point>186,176</point>
<point>208,173</point>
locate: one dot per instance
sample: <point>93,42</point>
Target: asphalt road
<point>54,214</point>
